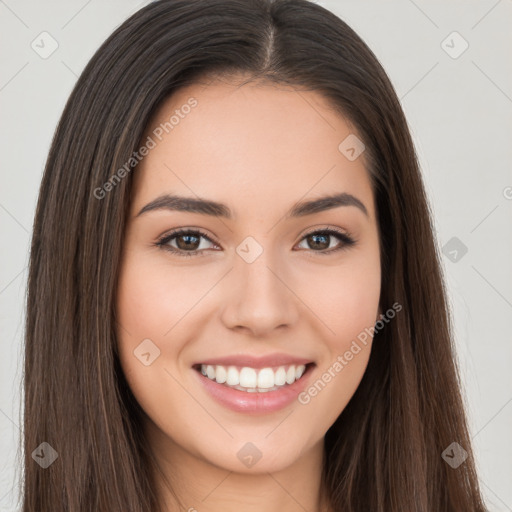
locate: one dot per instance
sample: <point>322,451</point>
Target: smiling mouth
<point>254,380</point>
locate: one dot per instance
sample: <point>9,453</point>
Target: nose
<point>258,297</point>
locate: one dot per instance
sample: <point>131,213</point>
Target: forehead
<point>241,144</point>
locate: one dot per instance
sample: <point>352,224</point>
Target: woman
<point>235,297</point>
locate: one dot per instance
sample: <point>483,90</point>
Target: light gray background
<point>460,114</point>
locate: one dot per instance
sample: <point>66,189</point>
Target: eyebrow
<point>216,209</point>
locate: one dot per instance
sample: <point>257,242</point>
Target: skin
<point>259,148</point>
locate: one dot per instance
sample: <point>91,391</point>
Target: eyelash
<point>346,239</point>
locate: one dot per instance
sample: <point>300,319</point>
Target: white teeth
<point>248,378</point>
<point>290,375</point>
<point>253,380</point>
<point>280,376</point>
<point>266,378</point>
<point>221,374</point>
<point>233,376</point>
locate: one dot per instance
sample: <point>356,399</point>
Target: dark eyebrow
<point>215,209</point>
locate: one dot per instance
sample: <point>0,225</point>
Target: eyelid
<point>327,227</point>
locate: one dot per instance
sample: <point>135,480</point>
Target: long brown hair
<point>384,452</point>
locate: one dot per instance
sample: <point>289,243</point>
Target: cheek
<point>350,313</point>
<point>153,297</point>
<point>344,298</point>
<point>144,310</point>
<point>142,314</point>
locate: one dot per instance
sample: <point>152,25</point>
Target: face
<point>263,294</point>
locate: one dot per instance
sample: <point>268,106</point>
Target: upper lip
<point>269,360</point>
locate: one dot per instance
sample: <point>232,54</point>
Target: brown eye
<point>320,241</point>
<point>187,242</point>
<point>184,242</point>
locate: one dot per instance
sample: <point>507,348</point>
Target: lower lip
<point>255,403</point>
